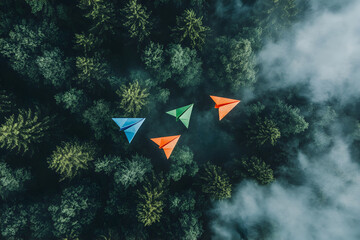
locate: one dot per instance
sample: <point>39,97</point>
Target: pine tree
<point>258,169</point>
<point>20,131</point>
<point>133,98</point>
<point>150,206</point>
<point>136,20</point>
<point>91,70</point>
<point>263,132</point>
<point>190,29</point>
<point>216,182</point>
<point>102,14</point>
<point>69,158</point>
<point>86,42</point>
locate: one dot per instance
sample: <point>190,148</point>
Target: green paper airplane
<point>183,114</point>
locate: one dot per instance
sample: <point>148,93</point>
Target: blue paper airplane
<point>129,125</point>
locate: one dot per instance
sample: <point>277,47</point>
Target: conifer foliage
<point>216,183</point>
<point>71,157</point>
<point>22,130</point>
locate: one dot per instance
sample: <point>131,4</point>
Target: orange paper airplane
<point>225,105</point>
<point>166,143</point>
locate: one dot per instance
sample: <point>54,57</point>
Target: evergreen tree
<point>108,164</point>
<point>288,119</point>
<point>216,183</point>
<point>73,100</point>
<point>97,116</point>
<point>12,181</point>
<point>262,132</point>
<point>39,221</point>
<point>69,158</point>
<point>54,68</point>
<point>21,131</point>
<point>133,98</point>
<point>133,171</point>
<point>136,20</point>
<point>102,14</point>
<point>91,70</point>
<point>150,206</point>
<point>184,65</point>
<point>25,43</point>
<point>232,62</point>
<point>182,164</point>
<point>277,15</point>
<point>37,5</point>
<point>73,210</point>
<point>258,169</point>
<point>86,42</point>
<point>13,221</point>
<point>190,29</point>
<point>153,56</point>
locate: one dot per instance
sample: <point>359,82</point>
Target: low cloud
<point>326,206</point>
<point>323,51</point>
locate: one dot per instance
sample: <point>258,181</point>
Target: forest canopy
<point>68,67</point>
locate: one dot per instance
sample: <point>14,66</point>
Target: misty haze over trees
<point>284,164</point>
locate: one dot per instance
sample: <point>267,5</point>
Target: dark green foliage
<point>97,116</point>
<point>91,70</point>
<point>132,172</point>
<point>12,180</point>
<point>73,100</point>
<point>53,68</point>
<point>71,157</point>
<point>40,221</point>
<point>133,98</point>
<point>101,13</point>
<point>182,202</point>
<point>258,169</point>
<point>184,65</point>
<point>37,5</point>
<point>277,15</point>
<point>108,164</point>
<point>187,224</point>
<point>86,42</point>
<point>216,183</point>
<point>87,61</point>
<point>13,221</point>
<point>150,206</point>
<point>73,210</point>
<point>7,102</point>
<point>21,131</point>
<point>136,20</point>
<point>182,164</point>
<point>263,131</point>
<point>153,57</point>
<point>235,64</point>
<point>190,29</point>
<point>191,226</point>
<point>25,43</point>
<point>288,119</point>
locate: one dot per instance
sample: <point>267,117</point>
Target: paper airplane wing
<point>168,148</point>
<point>225,109</point>
<point>167,143</point>
<point>185,117</point>
<point>132,130</point>
<point>219,101</point>
<point>124,123</point>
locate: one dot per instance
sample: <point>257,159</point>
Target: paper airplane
<point>225,105</point>
<point>129,125</point>
<point>166,143</point>
<point>182,113</point>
